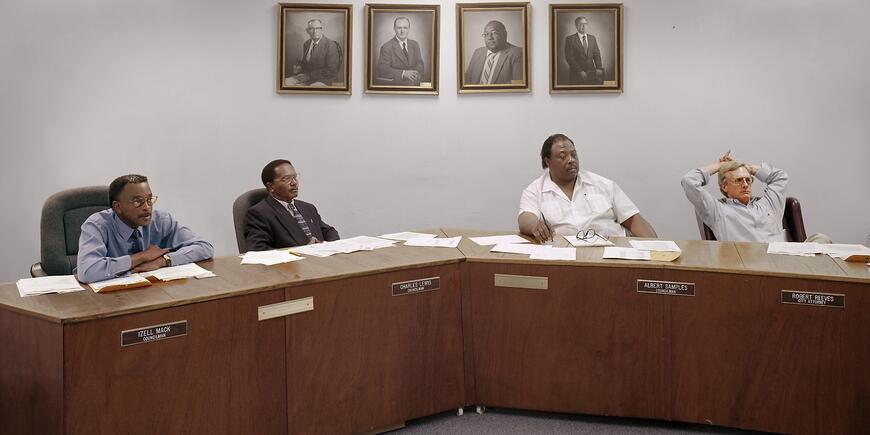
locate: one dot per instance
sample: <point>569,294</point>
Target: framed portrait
<point>402,49</point>
<point>492,47</point>
<point>586,48</point>
<point>314,48</point>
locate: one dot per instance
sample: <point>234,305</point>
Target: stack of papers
<point>269,258</point>
<point>450,242</point>
<point>343,246</point>
<point>536,252</point>
<point>592,241</point>
<point>189,270</point>
<point>626,253</point>
<point>655,245</point>
<point>497,240</point>
<point>794,248</point>
<point>407,235</point>
<point>125,282</point>
<point>844,251</point>
<point>48,284</point>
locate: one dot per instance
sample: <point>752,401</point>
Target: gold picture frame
<point>586,52</point>
<point>402,49</point>
<point>500,62</point>
<point>314,48</point>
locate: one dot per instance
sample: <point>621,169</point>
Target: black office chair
<point>62,217</point>
<point>792,222</point>
<point>240,208</point>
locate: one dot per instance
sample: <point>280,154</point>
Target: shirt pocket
<point>598,203</point>
<point>552,212</point>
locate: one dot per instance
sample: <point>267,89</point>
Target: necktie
<point>584,43</point>
<point>299,219</point>
<point>135,242</point>
<point>490,59</point>
<point>310,49</point>
<point>404,49</point>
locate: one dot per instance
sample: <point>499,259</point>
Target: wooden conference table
<point>405,332</point>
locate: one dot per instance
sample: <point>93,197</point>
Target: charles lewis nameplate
<point>153,333</point>
<point>813,298</point>
<point>416,286</point>
<point>666,287</point>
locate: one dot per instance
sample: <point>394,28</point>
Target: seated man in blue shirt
<point>134,237</point>
<point>739,216</point>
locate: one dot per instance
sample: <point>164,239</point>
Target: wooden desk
<point>731,355</point>
<point>363,359</point>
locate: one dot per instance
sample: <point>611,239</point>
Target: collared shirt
<point>495,56</point>
<point>597,204</point>
<point>106,243</point>
<point>286,205</point>
<point>758,221</point>
<point>584,38</point>
<point>311,48</point>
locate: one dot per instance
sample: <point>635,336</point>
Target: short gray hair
<point>731,165</point>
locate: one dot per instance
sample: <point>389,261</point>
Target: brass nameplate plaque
<point>153,333</point>
<point>287,308</point>
<point>416,286</point>
<point>834,300</point>
<point>521,281</point>
<point>666,287</point>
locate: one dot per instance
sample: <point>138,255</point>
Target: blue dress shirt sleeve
<point>93,262</point>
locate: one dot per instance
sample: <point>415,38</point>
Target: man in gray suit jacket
<point>320,62</point>
<point>498,62</point>
<point>400,61</point>
<point>583,56</point>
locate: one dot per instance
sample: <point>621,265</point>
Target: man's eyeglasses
<point>138,202</point>
<point>287,179</point>
<point>589,235</point>
<point>741,180</point>
<point>494,33</point>
<point>315,28</point>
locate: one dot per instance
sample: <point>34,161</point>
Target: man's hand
<point>583,75</point>
<point>599,73</point>
<point>726,157</point>
<point>154,264</point>
<point>313,240</point>
<point>542,232</point>
<point>413,76</point>
<point>297,68</point>
<point>153,252</point>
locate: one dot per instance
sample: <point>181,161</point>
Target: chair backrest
<point>62,217</point>
<point>240,208</point>
<point>792,222</point>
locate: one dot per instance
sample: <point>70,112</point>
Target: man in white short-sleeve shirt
<point>565,200</point>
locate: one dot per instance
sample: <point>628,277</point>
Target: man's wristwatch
<point>166,260</point>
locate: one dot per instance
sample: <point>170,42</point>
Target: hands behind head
<point>726,157</point>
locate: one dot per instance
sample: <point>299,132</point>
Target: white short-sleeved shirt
<point>598,204</point>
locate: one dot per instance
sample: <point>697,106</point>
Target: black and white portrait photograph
<point>585,48</point>
<point>402,49</point>
<point>314,53</point>
<point>492,47</point>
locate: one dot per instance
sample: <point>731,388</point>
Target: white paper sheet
<point>515,248</point>
<point>269,258</point>
<point>841,250</point>
<point>404,236</point>
<point>449,242</point>
<point>188,270</point>
<point>793,248</point>
<point>133,278</point>
<point>496,240</point>
<point>592,241</point>
<point>655,245</point>
<point>625,253</point>
<point>369,243</point>
<point>551,253</point>
<point>48,284</point>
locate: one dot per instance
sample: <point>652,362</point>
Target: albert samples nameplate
<point>153,333</point>
<point>666,287</point>
<point>813,298</point>
<point>416,286</point>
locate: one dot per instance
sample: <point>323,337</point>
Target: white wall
<point>183,91</point>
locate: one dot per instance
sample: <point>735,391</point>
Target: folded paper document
<point>48,284</point>
<point>134,280</point>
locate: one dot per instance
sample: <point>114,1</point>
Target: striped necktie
<point>487,72</point>
<point>135,242</point>
<point>299,219</point>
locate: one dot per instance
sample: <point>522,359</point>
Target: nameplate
<point>416,286</point>
<point>153,333</point>
<point>833,300</point>
<point>671,288</point>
